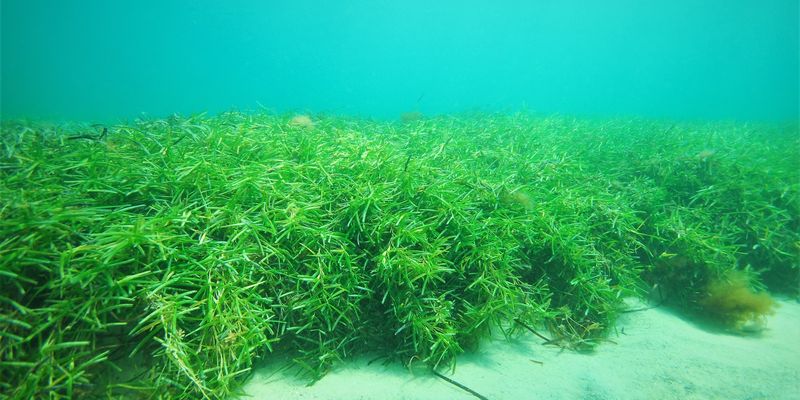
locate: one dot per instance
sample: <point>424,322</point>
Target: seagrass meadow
<point>164,258</point>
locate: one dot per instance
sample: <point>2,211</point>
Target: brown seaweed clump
<point>519,198</point>
<point>731,301</point>
<point>411,116</point>
<point>302,121</point>
<point>705,155</point>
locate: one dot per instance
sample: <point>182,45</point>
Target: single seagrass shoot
<point>163,258</point>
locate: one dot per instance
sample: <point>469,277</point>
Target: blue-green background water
<point>685,59</point>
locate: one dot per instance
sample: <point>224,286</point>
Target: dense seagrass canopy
<point>197,246</point>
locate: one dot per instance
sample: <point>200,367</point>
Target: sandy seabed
<point>653,354</point>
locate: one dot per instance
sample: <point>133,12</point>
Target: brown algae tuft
<point>302,121</point>
<point>732,302</point>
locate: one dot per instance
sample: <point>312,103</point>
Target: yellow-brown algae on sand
<point>302,121</point>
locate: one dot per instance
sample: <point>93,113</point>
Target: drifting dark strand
<point>642,309</point>
<point>462,387</point>
<point>375,359</point>
<point>405,166</point>
<point>446,143</point>
<point>90,137</point>
<point>179,140</point>
<point>533,331</point>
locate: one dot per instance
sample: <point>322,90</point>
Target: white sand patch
<point>659,356</point>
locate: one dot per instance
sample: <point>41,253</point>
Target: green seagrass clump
<point>164,258</point>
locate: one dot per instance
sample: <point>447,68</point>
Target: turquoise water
<point>682,59</point>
